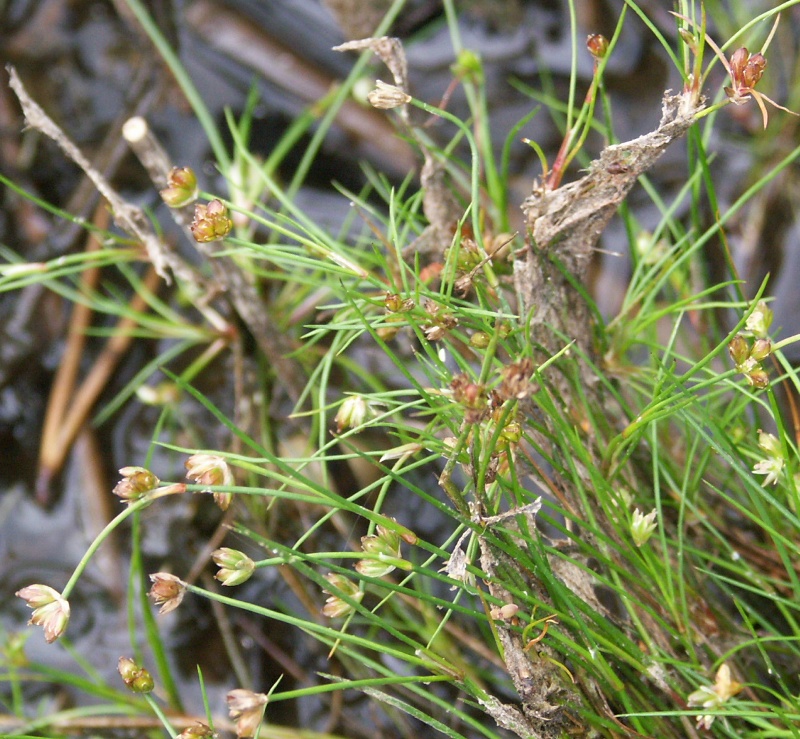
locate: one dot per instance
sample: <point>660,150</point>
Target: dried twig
<point>128,217</point>
<point>228,275</point>
<point>565,224</point>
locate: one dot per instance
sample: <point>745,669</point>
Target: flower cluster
<point>714,696</point>
<point>747,358</point>
<point>235,567</point>
<point>395,306</point>
<point>745,70</point>
<point>440,321</point>
<point>642,527</point>
<point>136,482</point>
<point>167,591</point>
<point>384,549</point>
<point>50,610</point>
<point>772,465</point>
<point>181,188</point>
<point>516,380</point>
<point>246,709</point>
<point>211,222</point>
<point>134,676</point>
<point>471,396</point>
<point>208,470</point>
<point>336,606</point>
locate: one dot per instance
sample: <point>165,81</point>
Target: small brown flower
<point>440,321</point>
<point>472,396</point>
<point>745,70</point>
<point>167,591</point>
<point>50,610</point>
<point>208,470</point>
<point>738,350</point>
<point>516,381</point>
<point>246,709</point>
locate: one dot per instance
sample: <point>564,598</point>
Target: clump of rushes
<point>235,567</point>
<point>211,222</point>
<point>211,470</point>
<point>246,709</point>
<point>136,482</point>
<point>181,187</point>
<point>167,591</point>
<point>50,610</point>
<point>134,676</point>
<point>336,606</point>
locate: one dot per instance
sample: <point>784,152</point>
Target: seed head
<point>134,676</point>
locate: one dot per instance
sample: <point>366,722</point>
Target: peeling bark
<point>565,224</point>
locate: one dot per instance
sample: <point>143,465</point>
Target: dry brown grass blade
<point>68,409</point>
<point>51,455</point>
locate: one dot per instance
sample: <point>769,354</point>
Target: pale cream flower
<point>50,610</point>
